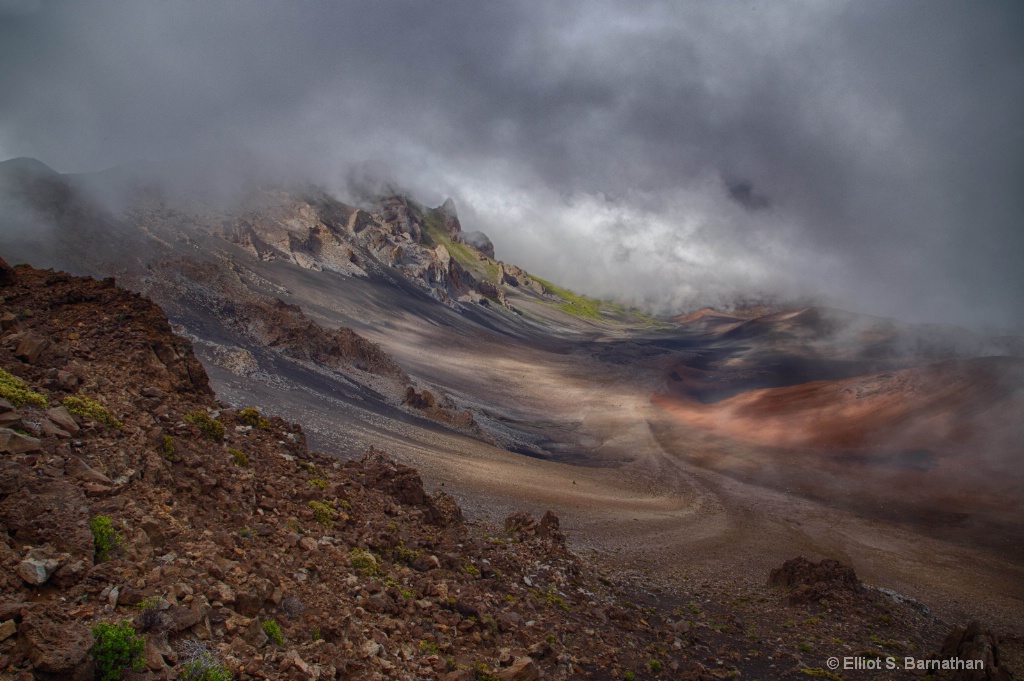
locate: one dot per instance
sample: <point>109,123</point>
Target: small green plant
<point>551,638</point>
<point>105,537</point>
<point>249,416</point>
<point>481,672</point>
<point>429,648</point>
<point>15,391</point>
<point>404,555</point>
<point>654,666</point>
<point>149,617</point>
<point>319,483</point>
<point>210,427</point>
<point>364,562</point>
<point>406,594</point>
<point>819,673</point>
<point>91,409</point>
<point>323,512</point>
<point>167,449</point>
<point>317,635</point>
<point>273,631</point>
<point>471,569</point>
<point>629,676</point>
<point>239,456</point>
<point>116,649</point>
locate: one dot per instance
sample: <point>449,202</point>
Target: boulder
<point>80,470</point>
<point>549,528</point>
<point>809,582</point>
<point>7,274</point>
<point>63,419</point>
<point>9,415</point>
<point>56,648</point>
<point>16,443</point>
<point>39,565</point>
<point>974,643</point>
<point>31,347</point>
<point>523,669</point>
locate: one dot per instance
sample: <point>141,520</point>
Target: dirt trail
<point>651,510</point>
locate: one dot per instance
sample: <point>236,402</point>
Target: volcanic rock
<point>16,443</point>
<point>57,648</point>
<point>811,582</point>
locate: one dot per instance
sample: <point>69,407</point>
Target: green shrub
<point>251,416</point>
<point>654,666</point>
<point>91,409</point>
<point>105,537</point>
<point>364,562</point>
<point>239,456</point>
<point>211,428</point>
<point>14,390</point>
<point>319,483</point>
<point>629,676</point>
<point>404,555</point>
<point>273,631</point>
<point>481,672</point>
<point>167,449</point>
<point>323,512</point>
<point>117,648</point>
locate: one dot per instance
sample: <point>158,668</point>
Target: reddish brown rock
<point>56,648</point>
<point>811,582</point>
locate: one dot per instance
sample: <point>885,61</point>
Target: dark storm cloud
<point>621,150</point>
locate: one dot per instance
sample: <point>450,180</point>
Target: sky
<point>867,154</point>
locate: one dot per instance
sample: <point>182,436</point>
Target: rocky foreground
<point>220,547</point>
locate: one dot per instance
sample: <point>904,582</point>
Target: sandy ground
<point>649,510</point>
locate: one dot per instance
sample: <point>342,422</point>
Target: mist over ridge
<point>669,157</point>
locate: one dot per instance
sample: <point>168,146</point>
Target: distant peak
<point>448,207</point>
<point>27,166</point>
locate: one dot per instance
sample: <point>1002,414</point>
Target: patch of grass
<point>210,427</point>
<point>429,648</point>
<point>91,409</point>
<point>273,631</point>
<point>471,569</point>
<point>15,391</point>
<point>319,483</point>
<point>323,512</point>
<point>117,648</point>
<point>167,449</point>
<point>105,537</point>
<point>205,668</point>
<point>239,456</point>
<point>819,673</point>
<point>573,303</point>
<point>654,666</point>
